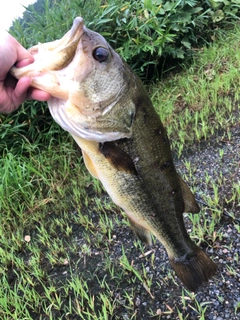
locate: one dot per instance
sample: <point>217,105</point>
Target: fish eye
<point>100,54</point>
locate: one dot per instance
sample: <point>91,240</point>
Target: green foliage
<point>142,32</point>
<point>145,33</point>
<point>31,123</point>
<point>61,254</point>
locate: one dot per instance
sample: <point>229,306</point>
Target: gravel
<point>218,299</point>
<point>165,296</point>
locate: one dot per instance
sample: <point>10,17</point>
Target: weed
<point>47,199</point>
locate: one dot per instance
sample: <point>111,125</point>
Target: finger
<point>24,62</point>
<point>23,54</point>
<point>39,95</point>
<point>19,94</point>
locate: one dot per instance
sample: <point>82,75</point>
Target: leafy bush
<point>140,31</point>
<point>143,32</point>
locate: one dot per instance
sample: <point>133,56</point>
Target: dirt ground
<point>221,295</point>
<point>223,291</point>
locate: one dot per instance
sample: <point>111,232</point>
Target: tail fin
<point>194,270</point>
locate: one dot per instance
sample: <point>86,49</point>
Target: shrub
<point>143,32</point>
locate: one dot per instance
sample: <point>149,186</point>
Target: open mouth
<point>55,55</point>
<point>51,57</point>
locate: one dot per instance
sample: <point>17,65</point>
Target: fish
<point>103,104</point>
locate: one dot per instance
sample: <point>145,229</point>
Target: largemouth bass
<point>105,107</point>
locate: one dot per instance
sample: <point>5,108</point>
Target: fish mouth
<point>54,55</point>
<point>59,53</point>
<point>51,58</point>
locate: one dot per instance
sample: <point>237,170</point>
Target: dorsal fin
<point>190,204</point>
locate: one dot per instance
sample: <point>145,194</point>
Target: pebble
<point>137,302</point>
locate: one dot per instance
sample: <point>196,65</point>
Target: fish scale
<point>98,99</point>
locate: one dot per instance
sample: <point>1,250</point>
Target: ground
<point>138,280</point>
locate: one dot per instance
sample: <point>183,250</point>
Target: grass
<point>195,103</point>
<point>66,252</point>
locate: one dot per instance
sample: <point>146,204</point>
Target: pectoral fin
<point>117,157</point>
<point>190,204</point>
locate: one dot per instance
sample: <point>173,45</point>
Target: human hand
<point>13,92</point>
